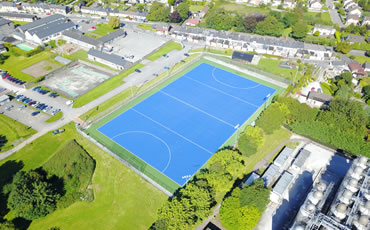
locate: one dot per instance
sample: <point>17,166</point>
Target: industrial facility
<point>338,205</point>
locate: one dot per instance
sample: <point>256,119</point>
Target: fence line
<point>102,147</point>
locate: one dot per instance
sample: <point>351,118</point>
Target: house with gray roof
<point>354,38</point>
<point>46,29</point>
<point>78,38</point>
<point>111,60</point>
<point>281,187</point>
<point>6,26</point>
<point>324,30</point>
<point>109,38</point>
<point>318,99</point>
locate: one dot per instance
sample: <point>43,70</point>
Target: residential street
<point>333,13</point>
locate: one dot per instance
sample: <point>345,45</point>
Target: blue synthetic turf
<point>177,129</point>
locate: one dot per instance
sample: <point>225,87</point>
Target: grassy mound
<point>76,167</point>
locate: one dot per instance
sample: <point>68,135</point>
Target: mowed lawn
<point>272,66</point>
<point>103,29</point>
<point>164,50</point>
<point>12,131</point>
<point>14,65</point>
<point>123,200</point>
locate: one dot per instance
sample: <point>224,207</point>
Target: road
<point>358,52</point>
<point>72,114</point>
<point>334,14</point>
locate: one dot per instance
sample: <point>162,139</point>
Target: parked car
<point>22,107</point>
<point>35,113</point>
<point>58,131</point>
<point>9,107</point>
<point>137,70</point>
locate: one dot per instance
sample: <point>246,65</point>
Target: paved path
<point>358,52</point>
<point>334,14</point>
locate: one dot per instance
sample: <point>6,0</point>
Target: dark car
<point>35,113</point>
<point>137,70</point>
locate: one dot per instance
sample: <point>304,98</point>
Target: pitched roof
<point>111,36</point>
<point>51,28</point>
<point>112,58</point>
<point>355,38</point>
<point>193,21</point>
<point>76,34</point>
<point>41,22</point>
<point>4,21</point>
<point>324,27</point>
<point>320,97</point>
<point>6,14</point>
<point>366,65</point>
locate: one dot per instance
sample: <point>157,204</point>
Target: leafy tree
<point>183,10</point>
<point>32,196</point>
<point>366,92</point>
<point>158,12</point>
<point>299,30</point>
<point>243,209</point>
<point>317,33</point>
<point>343,93</point>
<point>114,22</point>
<point>7,225</point>
<point>346,76</point>
<point>255,195</point>
<point>273,117</point>
<point>344,47</point>
<point>251,140</point>
<point>250,22</point>
<point>270,26</point>
<point>175,17</point>
<point>220,19</point>
<point>290,19</point>
<point>140,6</point>
<point>171,2</point>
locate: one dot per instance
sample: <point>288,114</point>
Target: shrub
<point>317,33</point>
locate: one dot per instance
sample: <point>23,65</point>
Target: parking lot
<point>137,44</point>
<point>24,115</point>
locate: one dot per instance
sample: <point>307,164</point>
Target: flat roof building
<point>271,174</point>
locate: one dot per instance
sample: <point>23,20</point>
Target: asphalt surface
<point>333,13</point>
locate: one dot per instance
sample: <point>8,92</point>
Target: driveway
<point>333,13</point>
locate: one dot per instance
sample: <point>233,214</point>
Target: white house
<point>354,10</point>
<point>112,60</point>
<point>46,29</point>
<point>315,5</point>
<point>352,19</point>
<point>365,21</point>
<point>349,4</point>
<point>324,30</point>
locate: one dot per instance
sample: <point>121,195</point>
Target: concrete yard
<point>137,44</point>
<point>76,80</point>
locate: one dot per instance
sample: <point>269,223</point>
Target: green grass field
<point>131,158</point>
<point>164,50</point>
<point>123,200</point>
<point>14,65</point>
<point>360,59</point>
<point>195,8</point>
<point>103,29</point>
<point>145,27</point>
<point>55,118</point>
<point>105,87</point>
<point>12,131</point>
<point>272,66</point>
<point>19,22</point>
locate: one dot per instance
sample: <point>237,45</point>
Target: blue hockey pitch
<point>177,129</point>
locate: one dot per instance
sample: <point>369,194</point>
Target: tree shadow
<point>56,182</point>
<point>3,141</point>
<point>21,223</point>
<point>7,172</point>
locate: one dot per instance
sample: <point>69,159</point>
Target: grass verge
<point>145,27</point>
<point>105,87</point>
<point>55,118</point>
<point>11,131</point>
<point>164,50</point>
<point>123,200</point>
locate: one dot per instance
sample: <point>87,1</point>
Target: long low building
<point>252,43</point>
<point>18,17</point>
<point>111,60</point>
<point>77,37</point>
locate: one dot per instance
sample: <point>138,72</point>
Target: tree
<point>171,2</point>
<point>255,195</point>
<point>251,140</point>
<point>270,26</point>
<point>290,19</point>
<point>140,6</point>
<point>114,22</point>
<point>250,22</point>
<point>220,19</point>
<point>366,92</point>
<point>317,33</point>
<point>299,30</point>
<point>175,17</point>
<point>7,225</point>
<point>344,47</point>
<point>158,12</point>
<point>183,10</point>
<point>31,195</point>
<point>273,117</point>
<point>346,76</point>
